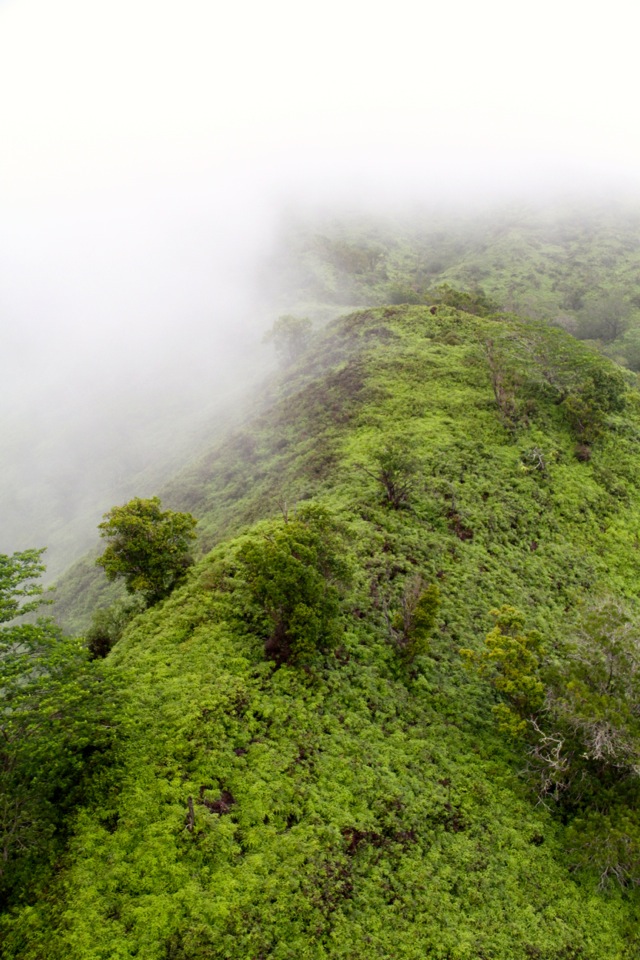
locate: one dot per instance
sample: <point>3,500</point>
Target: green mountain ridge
<point>566,263</point>
<point>574,265</point>
<point>360,803</point>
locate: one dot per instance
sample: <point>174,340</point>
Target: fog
<point>149,151</point>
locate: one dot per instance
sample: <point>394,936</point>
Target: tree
<point>54,725</point>
<point>595,695</point>
<point>148,548</point>
<point>395,471</point>
<point>605,318</point>
<point>414,623</point>
<point>290,336</point>
<point>18,574</point>
<point>511,661</point>
<point>601,394</point>
<point>578,712</point>
<point>293,575</point>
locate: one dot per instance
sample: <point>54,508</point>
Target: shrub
<point>414,622</point>
<point>290,336</point>
<point>511,661</point>
<point>395,469</point>
<point>108,624</point>
<point>293,574</point>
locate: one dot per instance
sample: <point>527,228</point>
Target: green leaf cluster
<point>148,548</point>
<point>56,725</point>
<point>292,576</point>
<point>19,574</point>
<point>511,660</point>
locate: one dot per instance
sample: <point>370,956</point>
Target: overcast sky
<point>145,147</point>
<point>112,96</point>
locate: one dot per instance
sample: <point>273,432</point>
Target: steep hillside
<point>346,789</point>
<point>573,265</point>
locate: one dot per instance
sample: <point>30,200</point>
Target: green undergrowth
<point>361,804</point>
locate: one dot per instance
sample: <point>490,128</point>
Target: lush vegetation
<point>56,725</point>
<point>571,264</point>
<point>148,548</point>
<point>392,710</point>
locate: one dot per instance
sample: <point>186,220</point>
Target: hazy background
<point>148,149</point>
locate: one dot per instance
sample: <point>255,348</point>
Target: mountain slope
<point>363,804</point>
<point>575,264</point>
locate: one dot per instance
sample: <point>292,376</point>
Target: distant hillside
<point>572,264</point>
<point>366,799</point>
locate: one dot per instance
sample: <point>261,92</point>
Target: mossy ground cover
<point>362,806</point>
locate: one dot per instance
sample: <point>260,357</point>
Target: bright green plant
<point>53,726</point>
<point>395,471</point>
<point>148,548</point>
<point>18,579</point>
<point>293,575</point>
<point>511,661</point>
<point>414,623</point>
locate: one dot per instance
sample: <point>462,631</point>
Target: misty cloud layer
<point>148,151</point>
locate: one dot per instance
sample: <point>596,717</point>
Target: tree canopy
<point>18,576</point>
<point>290,336</point>
<point>149,548</point>
<point>54,725</point>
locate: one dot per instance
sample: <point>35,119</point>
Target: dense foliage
<point>148,548</point>
<point>290,336</point>
<point>306,765</point>
<point>19,575</point>
<point>55,727</point>
<point>571,264</point>
<point>291,576</point>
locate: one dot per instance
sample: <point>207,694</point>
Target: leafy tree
<point>579,716</point>
<point>595,693</point>
<point>395,471</point>
<point>605,318</point>
<point>53,726</point>
<point>148,548</point>
<point>18,576</point>
<point>413,624</point>
<point>511,661</point>
<point>293,576</point>
<point>290,336</point>
<point>601,393</point>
